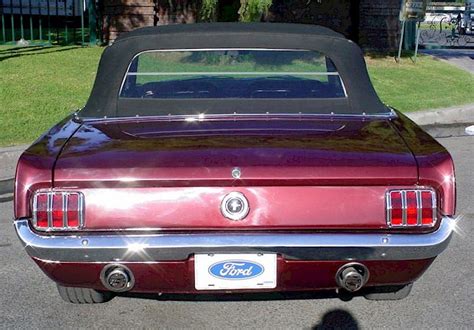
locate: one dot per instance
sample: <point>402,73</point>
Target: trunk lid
<point>295,173</point>
<point>310,152</point>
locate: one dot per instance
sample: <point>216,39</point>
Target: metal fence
<point>448,26</point>
<point>446,31</point>
<point>62,22</point>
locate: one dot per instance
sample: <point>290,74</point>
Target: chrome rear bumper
<point>301,246</point>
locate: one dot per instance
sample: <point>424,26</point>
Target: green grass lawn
<point>428,84</point>
<point>39,86</point>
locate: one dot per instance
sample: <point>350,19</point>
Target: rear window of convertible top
<point>232,73</point>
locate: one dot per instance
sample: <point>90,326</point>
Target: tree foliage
<point>252,10</point>
<point>208,10</point>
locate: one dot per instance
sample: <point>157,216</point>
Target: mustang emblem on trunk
<point>236,173</point>
<point>235,206</point>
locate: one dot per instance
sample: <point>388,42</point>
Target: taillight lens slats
<point>40,210</point>
<point>427,213</point>
<point>71,215</point>
<point>396,209</point>
<point>58,210</point>
<point>411,208</point>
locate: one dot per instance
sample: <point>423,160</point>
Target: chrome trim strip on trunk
<point>299,246</point>
<point>224,116</point>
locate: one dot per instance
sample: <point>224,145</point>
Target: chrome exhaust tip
<point>352,276</point>
<point>117,278</point>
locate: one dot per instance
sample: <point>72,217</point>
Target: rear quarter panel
<point>35,166</point>
<point>435,164</point>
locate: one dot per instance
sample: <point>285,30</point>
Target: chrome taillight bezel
<point>65,194</point>
<point>419,207</point>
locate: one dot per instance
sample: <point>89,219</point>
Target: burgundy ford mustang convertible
<point>231,158</point>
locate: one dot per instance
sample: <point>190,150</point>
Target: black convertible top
<point>232,27</point>
<point>346,56</point>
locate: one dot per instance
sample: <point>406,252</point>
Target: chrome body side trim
<point>300,246</point>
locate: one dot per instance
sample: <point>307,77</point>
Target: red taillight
<point>411,208</point>
<point>72,213</point>
<point>58,210</point>
<point>41,207</point>
<point>428,208</point>
<point>396,209</point>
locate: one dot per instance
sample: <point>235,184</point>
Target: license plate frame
<point>242,271</point>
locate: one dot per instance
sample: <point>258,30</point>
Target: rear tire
<point>389,293</point>
<point>83,295</point>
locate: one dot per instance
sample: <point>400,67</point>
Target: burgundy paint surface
<point>278,152</point>
<point>297,173</point>
<point>319,161</point>
<point>435,164</point>
<point>286,207</point>
<point>178,276</point>
<point>174,174</point>
<point>35,166</point>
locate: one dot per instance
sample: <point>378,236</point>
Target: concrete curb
<point>8,159</point>
<point>449,116</point>
<point>6,186</point>
<point>459,57</point>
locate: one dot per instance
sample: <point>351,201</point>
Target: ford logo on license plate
<point>236,269</point>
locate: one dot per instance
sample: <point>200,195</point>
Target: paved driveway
<point>463,58</point>
<point>442,298</point>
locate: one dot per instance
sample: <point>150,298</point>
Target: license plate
<point>235,271</point>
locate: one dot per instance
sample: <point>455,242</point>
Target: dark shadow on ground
<point>337,319</point>
<point>30,51</point>
<point>5,199</point>
<point>251,296</point>
<point>382,54</point>
<point>20,49</point>
<point>447,54</point>
<point>334,319</point>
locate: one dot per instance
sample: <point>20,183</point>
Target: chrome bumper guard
<point>300,246</point>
